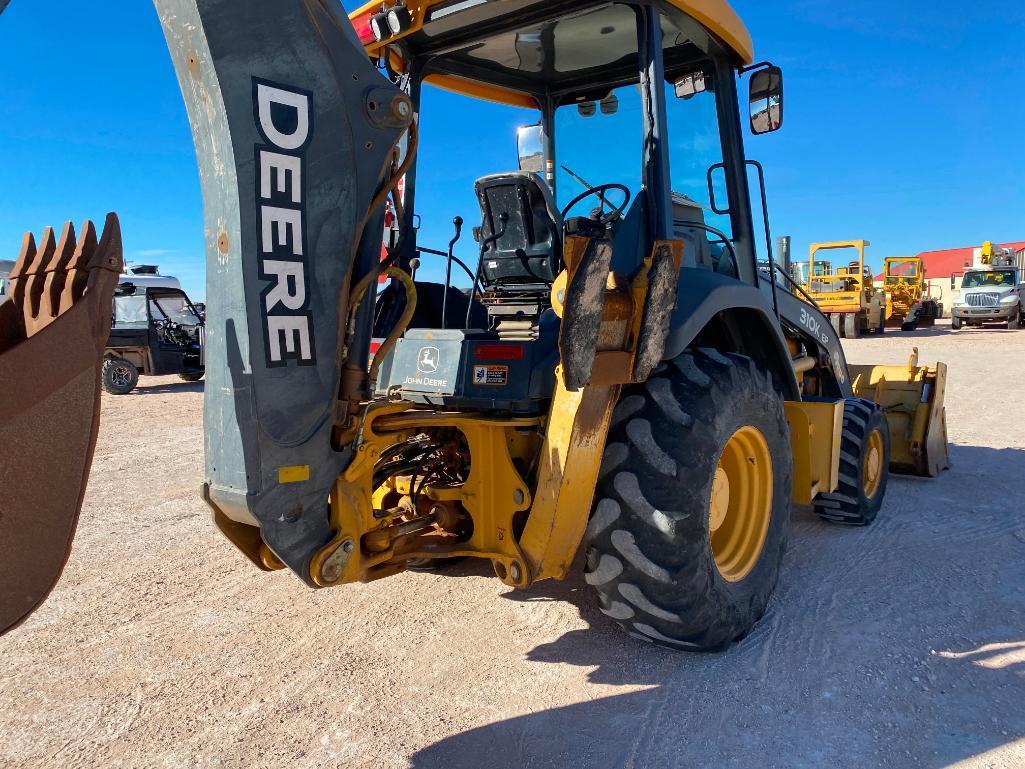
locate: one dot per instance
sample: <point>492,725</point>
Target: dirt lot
<point>902,645</point>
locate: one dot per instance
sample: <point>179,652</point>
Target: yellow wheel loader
<point>847,295</point>
<point>909,296</point>
<point>626,380</point>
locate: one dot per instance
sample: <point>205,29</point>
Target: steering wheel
<point>600,191</point>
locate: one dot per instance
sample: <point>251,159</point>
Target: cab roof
<point>508,50</point>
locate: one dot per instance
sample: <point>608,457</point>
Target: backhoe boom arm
<point>295,133</point>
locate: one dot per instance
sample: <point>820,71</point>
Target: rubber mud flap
<point>584,305</point>
<point>295,131</point>
<point>53,332</point>
<point>660,302</point>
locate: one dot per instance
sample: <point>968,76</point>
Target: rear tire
<point>864,466</point>
<point>836,321</point>
<point>850,325</point>
<point>677,560</point>
<point>119,376</point>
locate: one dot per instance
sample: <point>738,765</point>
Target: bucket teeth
<point>26,257</point>
<point>50,277</point>
<point>78,268</point>
<point>56,274</point>
<point>34,278</point>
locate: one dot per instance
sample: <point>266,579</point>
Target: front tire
<point>119,376</point>
<point>687,536</point>
<point>864,466</point>
<point>1015,323</point>
<point>955,323</point>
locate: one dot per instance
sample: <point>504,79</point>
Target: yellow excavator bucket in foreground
<point>913,398</point>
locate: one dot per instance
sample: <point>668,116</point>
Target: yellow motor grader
<point>909,296</point>
<point>627,378</point>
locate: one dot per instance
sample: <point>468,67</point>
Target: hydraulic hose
<point>404,278</point>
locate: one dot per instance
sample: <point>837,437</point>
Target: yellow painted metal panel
<point>299,474</point>
<point>815,431</point>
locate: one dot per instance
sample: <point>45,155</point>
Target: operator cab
<point>593,152</point>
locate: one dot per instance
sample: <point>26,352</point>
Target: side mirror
<point>766,97</point>
<point>609,105</point>
<point>587,109</point>
<point>531,148</point>
<point>690,85</point>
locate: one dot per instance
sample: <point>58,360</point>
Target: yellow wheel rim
<point>872,472</point>
<point>740,506</point>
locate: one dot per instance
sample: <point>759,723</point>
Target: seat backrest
<point>528,255</point>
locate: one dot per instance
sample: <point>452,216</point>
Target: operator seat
<point>519,267</point>
<point>526,259</point>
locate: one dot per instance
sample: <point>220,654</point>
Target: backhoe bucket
<point>53,330</point>
<point>913,398</point>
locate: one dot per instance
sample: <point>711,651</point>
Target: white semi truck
<point>992,289</point>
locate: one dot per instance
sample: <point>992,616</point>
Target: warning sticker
<point>491,376</point>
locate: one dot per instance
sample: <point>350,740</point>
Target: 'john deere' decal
<point>284,117</point>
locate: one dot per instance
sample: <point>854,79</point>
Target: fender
<point>702,295</point>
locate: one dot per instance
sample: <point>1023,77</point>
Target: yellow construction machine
<point>626,376</point>
<point>909,297</point>
<point>847,295</point>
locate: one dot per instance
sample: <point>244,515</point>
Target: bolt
<point>334,564</point>
<point>518,497</point>
<point>401,107</point>
<point>331,572</point>
<point>515,573</point>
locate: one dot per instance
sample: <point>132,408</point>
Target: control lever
<point>485,246</point>
<point>458,222</point>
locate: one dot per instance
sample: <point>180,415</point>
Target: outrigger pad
<point>295,130</point>
<point>53,332</point>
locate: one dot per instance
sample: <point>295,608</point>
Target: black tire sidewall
<point>714,610</point>
<point>107,373</point>
<point>876,423</point>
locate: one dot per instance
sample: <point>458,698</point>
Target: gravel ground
<point>902,645</point>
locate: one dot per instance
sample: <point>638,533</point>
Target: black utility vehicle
<point>155,332</point>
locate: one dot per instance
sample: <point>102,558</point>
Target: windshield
<point>130,311</point>
<point>175,309</point>
<point>599,144</point>
<point>902,269</point>
<point>997,278</point>
<point>694,148</point>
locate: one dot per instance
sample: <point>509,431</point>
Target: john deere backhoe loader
<point>624,379</point>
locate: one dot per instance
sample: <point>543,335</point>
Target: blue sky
<point>903,126</point>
